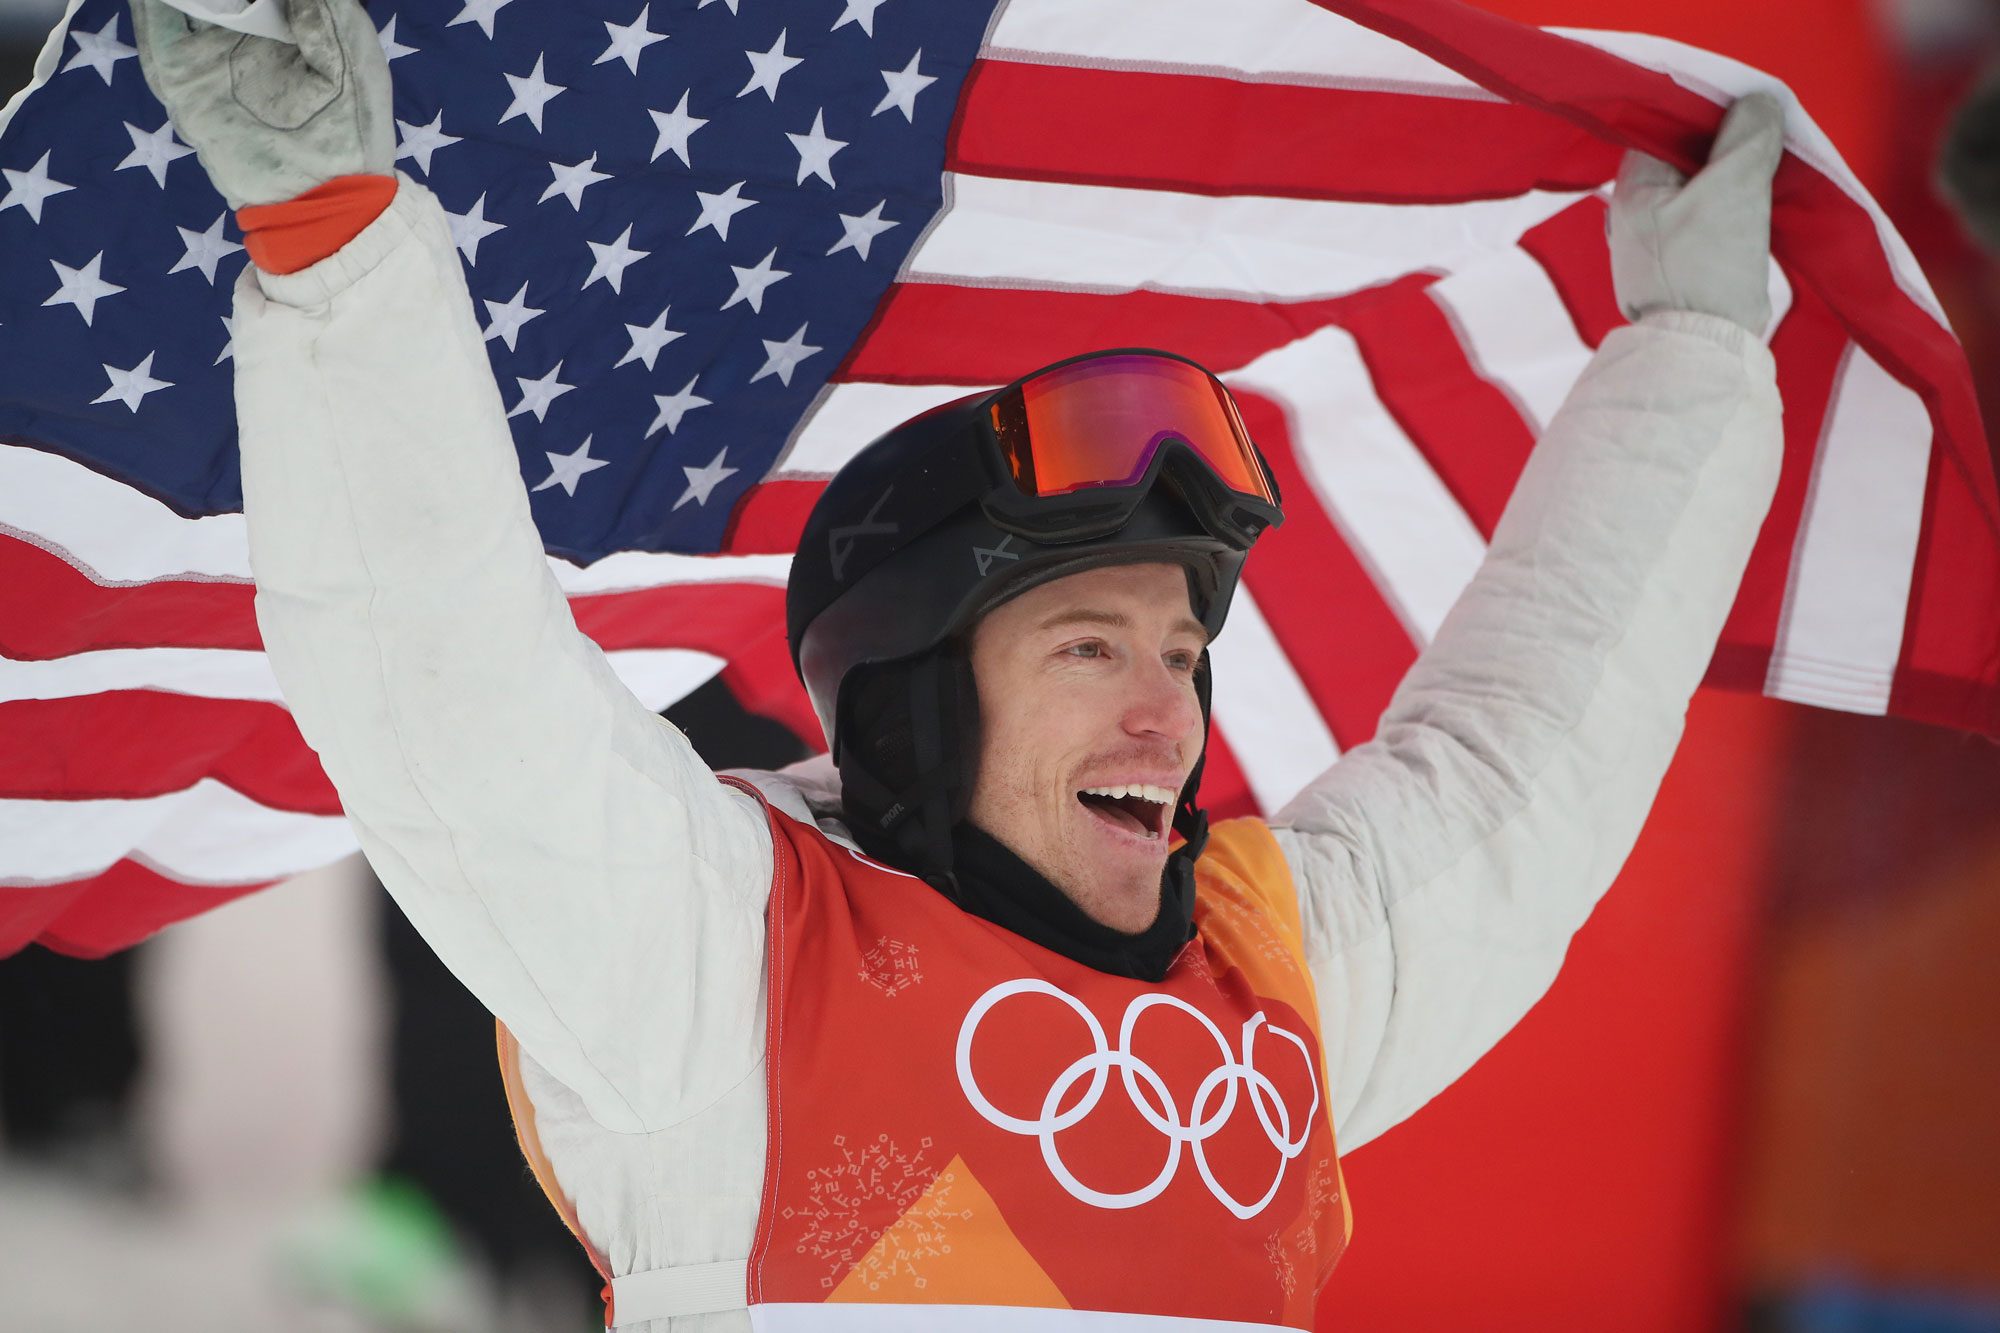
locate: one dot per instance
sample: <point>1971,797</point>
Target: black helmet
<point>1115,457</point>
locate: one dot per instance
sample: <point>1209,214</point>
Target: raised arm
<point>1443,867</point>
<point>559,845</point>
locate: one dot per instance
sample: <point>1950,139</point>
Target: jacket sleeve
<point>558,844</point>
<point>1443,866</point>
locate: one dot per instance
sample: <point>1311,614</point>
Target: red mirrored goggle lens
<point>1100,422</point>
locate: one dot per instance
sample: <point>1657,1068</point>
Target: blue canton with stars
<point>675,217</point>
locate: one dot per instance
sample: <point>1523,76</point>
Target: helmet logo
<point>840,542</point>
<point>986,555</point>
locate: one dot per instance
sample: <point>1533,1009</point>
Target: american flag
<point>716,245</point>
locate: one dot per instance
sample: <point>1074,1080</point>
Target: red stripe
<point>1469,431</point>
<point>1343,639</point>
<point>770,517</point>
<point>129,744</point>
<point>742,622</point>
<point>709,617</point>
<point>1220,136</point>
<point>48,608</point>
<point>89,918</point>
<point>938,333</point>
<point>1570,248</point>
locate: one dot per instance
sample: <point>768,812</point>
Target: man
<point>757,1060</point>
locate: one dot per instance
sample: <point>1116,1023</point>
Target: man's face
<point>1087,688</point>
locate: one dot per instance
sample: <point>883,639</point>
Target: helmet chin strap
<point>1190,820</point>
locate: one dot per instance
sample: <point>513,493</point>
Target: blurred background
<point>1764,1095</point>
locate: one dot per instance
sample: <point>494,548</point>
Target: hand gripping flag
<point>715,247</point>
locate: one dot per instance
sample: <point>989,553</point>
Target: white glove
<point>270,120</point>
<point>1702,244</point>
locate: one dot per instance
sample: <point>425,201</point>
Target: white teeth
<point>1157,795</point>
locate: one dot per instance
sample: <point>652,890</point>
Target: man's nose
<point>1162,703</point>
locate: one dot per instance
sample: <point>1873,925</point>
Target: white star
<point>627,42</point>
<point>702,481</point>
<point>675,126</point>
<point>130,386</point>
<point>816,151</point>
<point>469,228</point>
<point>704,4</point>
<point>536,395</point>
<point>904,85</point>
<point>751,282</point>
<point>205,248</point>
<point>505,318</point>
<point>28,189</point>
<point>674,407</point>
<point>611,261</point>
<point>420,141</point>
<point>861,12</point>
<point>100,50</point>
<point>647,340</point>
<point>861,231</point>
<point>228,342</point>
<point>82,287</point>
<point>781,359</point>
<point>532,92</point>
<point>767,67</point>
<point>717,209</point>
<point>153,150</point>
<point>571,182</point>
<point>391,48</point>
<point>568,469</point>
<point>480,12</point>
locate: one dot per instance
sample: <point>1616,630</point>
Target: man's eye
<point>1085,649</point>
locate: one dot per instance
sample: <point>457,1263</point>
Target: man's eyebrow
<point>1084,615</point>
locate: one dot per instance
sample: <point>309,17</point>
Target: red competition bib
<point>961,1118</point>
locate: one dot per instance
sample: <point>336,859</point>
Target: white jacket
<point>569,857</point>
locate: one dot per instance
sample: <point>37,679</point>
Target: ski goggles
<point>1078,444</point>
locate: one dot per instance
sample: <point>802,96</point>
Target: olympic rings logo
<point>1214,1100</point>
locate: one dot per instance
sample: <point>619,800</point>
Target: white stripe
<point>1013,233</point>
<point>208,673</point>
<point>118,537</point>
<point>206,834</point>
<point>1516,330</point>
<point>1723,80</point>
<point>1374,484</point>
<point>657,676</point>
<point>662,676</point>
<point>1841,630</point>
<point>113,533</point>
<point>1274,41</point>
<point>1780,290</point>
<point>1262,706</point>
<point>859,1317</point>
<point>636,571</point>
<point>848,416</point>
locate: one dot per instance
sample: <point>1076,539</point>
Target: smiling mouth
<point>1137,809</point>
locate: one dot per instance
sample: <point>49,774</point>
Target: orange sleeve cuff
<point>286,237</point>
